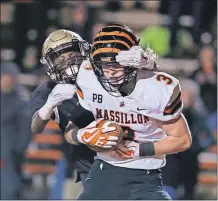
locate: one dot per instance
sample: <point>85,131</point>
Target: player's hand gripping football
<point>127,150</point>
<point>96,136</point>
<point>59,93</point>
<point>138,58</point>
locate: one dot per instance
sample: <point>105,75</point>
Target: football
<point>118,132</point>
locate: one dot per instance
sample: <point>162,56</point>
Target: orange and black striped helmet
<point>108,42</point>
<point>112,39</point>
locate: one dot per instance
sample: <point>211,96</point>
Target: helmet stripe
<point>116,45</point>
<point>116,33</point>
<point>105,50</point>
<point>112,41</point>
<point>121,38</point>
<point>126,30</point>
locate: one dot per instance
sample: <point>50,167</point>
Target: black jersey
<point>69,110</point>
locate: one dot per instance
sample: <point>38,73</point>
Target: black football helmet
<point>106,45</point>
<point>58,43</point>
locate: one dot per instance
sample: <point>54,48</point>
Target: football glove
<point>138,58</point>
<point>59,93</point>
<point>93,136</point>
<point>127,149</point>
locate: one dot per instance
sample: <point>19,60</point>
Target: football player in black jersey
<point>62,54</point>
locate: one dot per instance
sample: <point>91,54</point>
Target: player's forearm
<point>38,125</point>
<point>171,145</point>
<point>178,139</point>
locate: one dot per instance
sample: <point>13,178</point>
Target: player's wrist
<point>146,149</point>
<point>77,136</point>
<point>45,112</point>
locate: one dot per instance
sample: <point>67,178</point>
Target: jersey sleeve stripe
<point>174,109</point>
<point>174,102</point>
<point>80,93</point>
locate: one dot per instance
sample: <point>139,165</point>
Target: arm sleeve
<point>70,110</point>
<point>82,117</point>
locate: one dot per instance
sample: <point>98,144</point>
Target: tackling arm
<point>71,133</point>
<point>83,128</point>
<point>91,135</point>
<point>41,117</point>
<point>38,100</point>
<point>88,133</point>
<point>38,125</point>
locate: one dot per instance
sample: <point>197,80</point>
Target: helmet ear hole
<point>43,61</point>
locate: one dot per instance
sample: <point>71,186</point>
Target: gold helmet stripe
<point>105,50</point>
<point>112,41</point>
<point>116,33</point>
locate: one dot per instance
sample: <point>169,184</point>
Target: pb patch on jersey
<point>97,98</point>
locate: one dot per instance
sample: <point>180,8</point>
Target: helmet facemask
<point>108,42</point>
<point>63,62</point>
<point>112,85</point>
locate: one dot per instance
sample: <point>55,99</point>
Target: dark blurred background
<point>182,32</point>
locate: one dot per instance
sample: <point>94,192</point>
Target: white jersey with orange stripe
<point>155,98</point>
